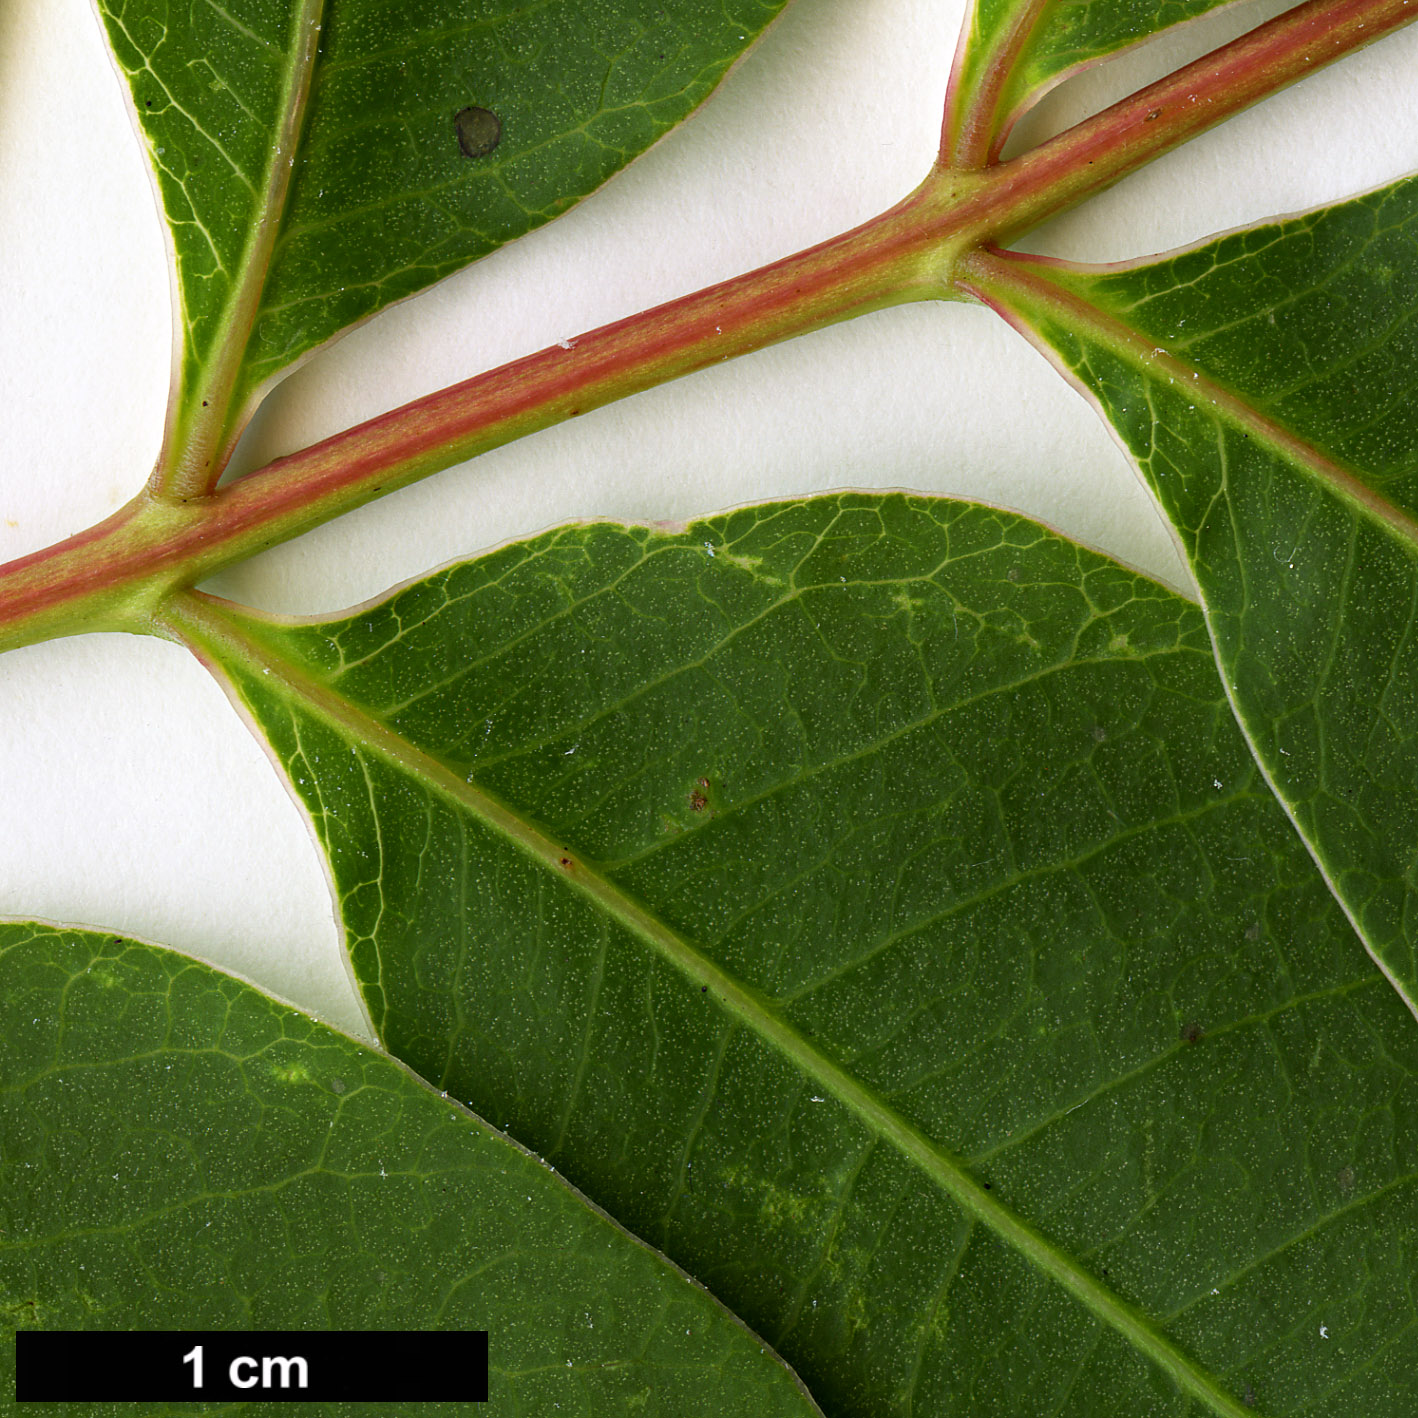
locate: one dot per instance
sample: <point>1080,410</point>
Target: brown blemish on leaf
<point>479,131</point>
<point>697,801</point>
<point>1191,1032</point>
<point>565,863</point>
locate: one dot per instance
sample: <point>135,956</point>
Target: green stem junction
<point>118,574</point>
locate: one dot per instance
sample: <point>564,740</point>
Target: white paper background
<point>130,795</point>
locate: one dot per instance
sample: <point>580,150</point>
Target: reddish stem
<point>905,255</point>
<point>1097,152</point>
<point>104,576</point>
<point>115,574</point>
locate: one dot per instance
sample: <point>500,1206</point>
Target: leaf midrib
<point>216,403</point>
<point>221,641</point>
<point>1021,287</point>
<point>246,299</point>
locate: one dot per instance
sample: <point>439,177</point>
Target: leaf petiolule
<point>1011,51</point>
<point>1264,384</point>
<point>317,161</point>
<point>180,1151</point>
<point>871,902</point>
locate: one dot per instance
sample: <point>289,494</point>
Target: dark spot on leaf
<point>1192,1031</point>
<point>704,989</point>
<point>989,1186</point>
<point>697,801</point>
<point>479,131</point>
<point>566,861</point>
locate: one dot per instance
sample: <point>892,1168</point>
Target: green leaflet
<point>319,159</point>
<point>1278,437</point>
<point>1015,49</point>
<point>180,1151</point>
<point>870,901</point>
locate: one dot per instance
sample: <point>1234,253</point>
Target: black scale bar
<point>274,1366</point>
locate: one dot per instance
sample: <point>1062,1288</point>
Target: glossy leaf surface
<point>318,159</point>
<point>871,902</point>
<point>1265,385</point>
<point>180,1151</point>
<point>1014,50</point>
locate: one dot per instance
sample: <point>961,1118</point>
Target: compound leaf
<point>180,1151</point>
<point>871,902</point>
<point>319,159</point>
